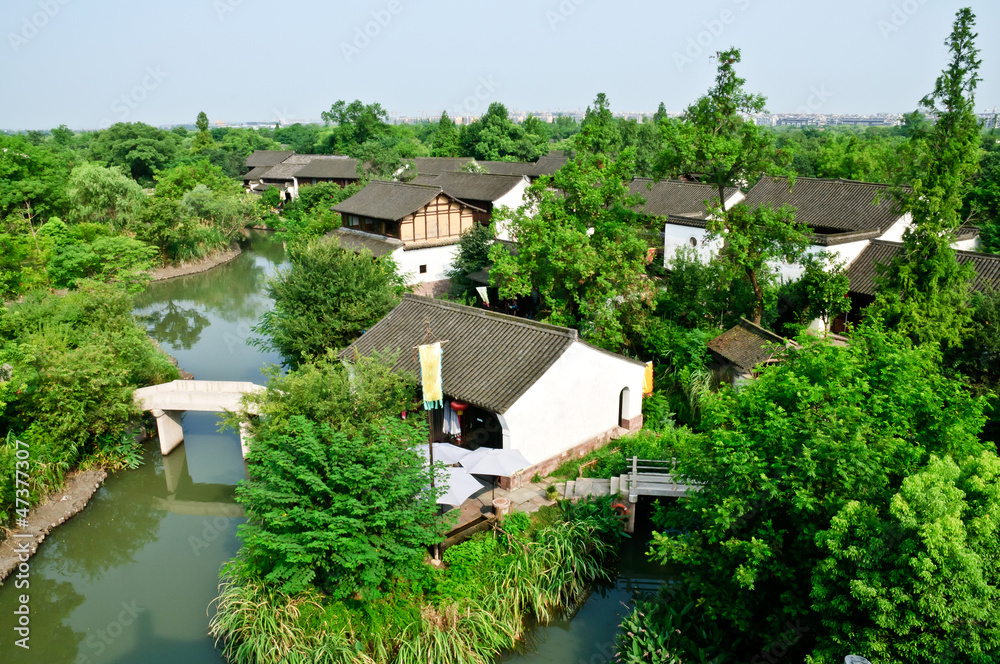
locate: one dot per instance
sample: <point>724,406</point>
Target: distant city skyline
<point>87,65</point>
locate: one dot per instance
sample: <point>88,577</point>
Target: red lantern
<point>459,407</point>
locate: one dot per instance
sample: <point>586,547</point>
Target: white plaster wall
<point>437,260</point>
<point>842,253</point>
<point>972,244</point>
<point>676,236</point>
<point>575,400</point>
<point>895,232</point>
<point>513,199</point>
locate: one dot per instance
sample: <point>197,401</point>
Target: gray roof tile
<point>862,270</point>
<point>746,345</point>
<point>830,205</point>
<point>490,359</point>
<point>673,197</point>
<point>268,157</point>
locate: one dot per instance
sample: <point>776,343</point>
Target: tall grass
<point>522,577</point>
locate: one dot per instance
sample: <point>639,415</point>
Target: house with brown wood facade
<point>422,223</point>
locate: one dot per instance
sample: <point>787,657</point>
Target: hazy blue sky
<point>88,63</point>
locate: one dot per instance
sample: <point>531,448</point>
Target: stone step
<point>602,487</point>
<point>584,487</point>
<point>569,490</point>
<point>614,486</point>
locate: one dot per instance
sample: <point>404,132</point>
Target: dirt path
<point>203,265</point>
<point>54,510</point>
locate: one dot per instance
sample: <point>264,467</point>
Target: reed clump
<point>466,613</point>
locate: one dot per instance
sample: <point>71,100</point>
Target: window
<point>423,269</point>
<point>693,241</point>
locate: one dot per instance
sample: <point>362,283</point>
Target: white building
<point>844,216</point>
<point>419,225</point>
<point>529,386</point>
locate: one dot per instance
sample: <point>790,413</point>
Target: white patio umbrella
<point>459,484</point>
<point>446,453</point>
<point>489,461</point>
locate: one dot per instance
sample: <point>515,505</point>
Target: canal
<point>130,578</point>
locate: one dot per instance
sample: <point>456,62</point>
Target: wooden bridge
<point>648,477</point>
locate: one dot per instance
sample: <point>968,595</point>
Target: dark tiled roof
<point>673,197</point>
<point>423,179</point>
<point>747,345</point>
<point>327,166</point>
<point>862,271</point>
<point>693,222</point>
<point>490,359</point>
<point>824,205</point>
<point>439,165</point>
<point>287,169</point>
<point>477,186</point>
<point>268,157</point>
<point>256,173</point>
<point>358,241</point>
<point>391,201</point>
<point>509,167</point>
<point>548,165</point>
<point>388,200</point>
<point>833,239</point>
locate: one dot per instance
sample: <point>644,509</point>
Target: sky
<point>88,64</point>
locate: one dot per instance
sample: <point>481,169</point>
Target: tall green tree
<point>446,137</point>
<point>599,132</point>
<point>203,139</point>
<point>925,291</point>
<point>328,297</point>
<point>714,137</point>
<point>581,249</point>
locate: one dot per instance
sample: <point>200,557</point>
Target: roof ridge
<point>558,330</point>
<point>831,180</point>
<point>404,184</point>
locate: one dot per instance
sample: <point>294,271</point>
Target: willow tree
<point>925,291</point>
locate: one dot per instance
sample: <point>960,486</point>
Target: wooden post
<point>630,526</point>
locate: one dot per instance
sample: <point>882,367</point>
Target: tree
<point>140,149</point>
<point>62,135</point>
<point>599,132</point>
<point>473,254</point>
<point>203,139</point>
<point>337,496</point>
<point>327,298</point>
<point>917,579</point>
<point>103,195</point>
<point>821,291</point>
<point>495,137</point>
<point>353,125</point>
<point>581,250</point>
<point>445,138</point>
<point>925,291</point>
<point>32,179</point>
<point>715,138</point>
<point>785,456</point>
<point>346,514</point>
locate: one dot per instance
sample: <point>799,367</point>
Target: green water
<point>131,577</point>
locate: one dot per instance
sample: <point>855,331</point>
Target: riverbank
<point>203,265</point>
<point>42,519</point>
